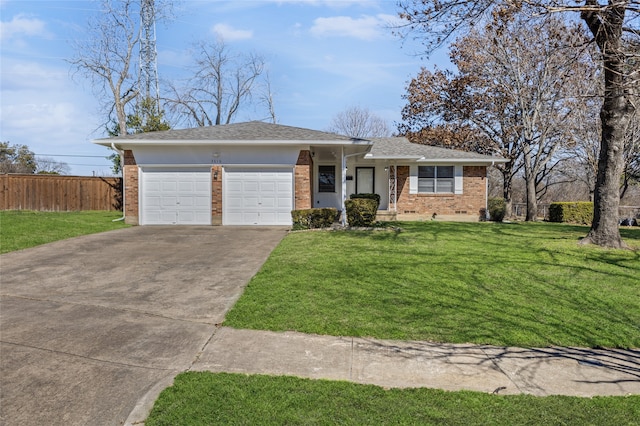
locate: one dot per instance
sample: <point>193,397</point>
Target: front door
<point>365,180</point>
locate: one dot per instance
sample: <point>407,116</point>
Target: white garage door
<point>176,197</point>
<point>257,196</point>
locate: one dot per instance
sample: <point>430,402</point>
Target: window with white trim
<point>436,179</point>
<point>326,178</point>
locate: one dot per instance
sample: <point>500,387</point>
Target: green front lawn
<point>232,399</point>
<point>523,284</point>
<point>20,229</point>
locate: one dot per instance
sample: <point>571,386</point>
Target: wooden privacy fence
<point>59,193</point>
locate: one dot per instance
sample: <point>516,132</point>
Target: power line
<point>71,155</point>
<point>88,165</point>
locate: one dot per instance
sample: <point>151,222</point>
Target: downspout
<point>124,197</point>
<point>486,192</point>
<point>344,182</point>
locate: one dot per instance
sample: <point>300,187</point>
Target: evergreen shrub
<point>367,196</point>
<point>497,209</point>
<point>580,212</point>
<point>313,218</point>
<point>361,211</point>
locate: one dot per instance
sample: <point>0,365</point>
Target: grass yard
<point>519,284</point>
<point>232,399</point>
<point>20,229</point>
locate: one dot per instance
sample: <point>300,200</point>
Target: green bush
<point>313,218</point>
<point>361,211</point>
<point>497,209</point>
<point>367,196</point>
<point>580,212</point>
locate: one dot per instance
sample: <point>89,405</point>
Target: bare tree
<point>543,74</point>
<point>516,84</point>
<point>358,122</point>
<point>631,155</point>
<point>266,98</point>
<point>584,149</point>
<point>49,166</point>
<point>108,57</point>
<point>613,25</point>
<point>223,82</point>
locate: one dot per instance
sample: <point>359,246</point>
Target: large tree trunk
<point>530,184</point>
<point>606,200</point>
<point>532,201</point>
<point>507,189</point>
<point>616,113</point>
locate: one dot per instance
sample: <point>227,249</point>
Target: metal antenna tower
<point>148,53</point>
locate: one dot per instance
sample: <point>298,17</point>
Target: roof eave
<point>248,142</point>
<point>478,161</point>
<point>393,157</point>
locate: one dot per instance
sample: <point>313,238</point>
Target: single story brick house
<point>255,173</point>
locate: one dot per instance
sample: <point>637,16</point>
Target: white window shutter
<point>413,179</point>
<point>458,179</point>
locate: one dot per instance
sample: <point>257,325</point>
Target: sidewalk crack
<point>216,327</point>
<point>493,361</point>
<point>351,360</point>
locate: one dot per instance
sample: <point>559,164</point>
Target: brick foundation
<point>468,203</point>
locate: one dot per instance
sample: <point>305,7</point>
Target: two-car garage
<point>251,173</point>
<point>183,196</point>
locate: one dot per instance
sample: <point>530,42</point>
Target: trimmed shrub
<point>367,196</point>
<point>313,218</point>
<point>361,211</point>
<point>497,209</point>
<point>484,215</point>
<point>580,212</point>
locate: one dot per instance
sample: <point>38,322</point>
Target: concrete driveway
<point>92,324</point>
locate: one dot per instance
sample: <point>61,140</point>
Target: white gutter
<point>423,159</point>
<point>393,157</point>
<point>222,142</point>
<point>124,195</point>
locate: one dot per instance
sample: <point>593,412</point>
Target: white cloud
<point>42,108</point>
<point>228,33</point>
<point>364,28</point>
<point>22,25</point>
<point>29,75</point>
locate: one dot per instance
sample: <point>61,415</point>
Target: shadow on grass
<point>530,285</point>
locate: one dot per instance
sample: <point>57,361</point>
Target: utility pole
<point>148,53</point>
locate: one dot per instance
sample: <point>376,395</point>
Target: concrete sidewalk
<point>541,371</point>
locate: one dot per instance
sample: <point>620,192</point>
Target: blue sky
<point>323,56</point>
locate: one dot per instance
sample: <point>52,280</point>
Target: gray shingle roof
<point>383,148</point>
<point>250,131</point>
<point>401,148</point>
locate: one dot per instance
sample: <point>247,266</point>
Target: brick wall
<point>216,195</point>
<point>468,203</point>
<point>131,186</point>
<point>303,181</point>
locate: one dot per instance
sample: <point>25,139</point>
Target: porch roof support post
<point>392,180</point>
<point>395,186</point>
